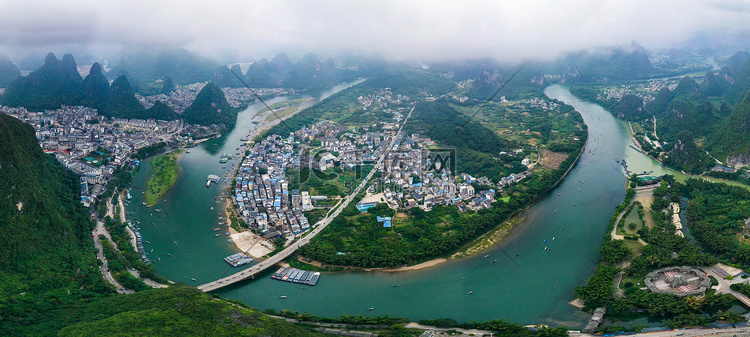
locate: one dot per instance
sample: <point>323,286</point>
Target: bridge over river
<point>273,260</point>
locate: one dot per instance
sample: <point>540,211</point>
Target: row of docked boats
<point>296,276</point>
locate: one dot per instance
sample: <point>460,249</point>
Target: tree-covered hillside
<point>210,107</point>
<point>122,102</point>
<point>58,83</point>
<point>477,147</point>
<point>692,120</point>
<point>48,87</point>
<point>732,137</point>
<point>175,311</point>
<point>47,253</point>
<point>8,71</point>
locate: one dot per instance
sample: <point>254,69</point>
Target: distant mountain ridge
<point>686,114</point>
<point>58,83</point>
<point>185,67</point>
<point>8,71</point>
<point>617,63</point>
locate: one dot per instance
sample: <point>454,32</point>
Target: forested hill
<point>46,233</point>
<point>732,137</point>
<point>8,71</point>
<point>693,119</point>
<point>58,83</point>
<point>50,283</point>
<point>621,63</point>
<point>48,87</point>
<point>210,107</point>
<point>688,110</point>
<point>476,146</point>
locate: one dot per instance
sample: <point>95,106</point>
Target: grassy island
<point>164,177</point>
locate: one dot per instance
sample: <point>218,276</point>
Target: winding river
<point>526,284</point>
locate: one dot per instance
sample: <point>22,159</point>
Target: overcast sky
<point>420,30</point>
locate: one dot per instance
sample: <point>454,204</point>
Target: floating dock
<point>236,260</point>
<point>212,178</point>
<point>296,276</point>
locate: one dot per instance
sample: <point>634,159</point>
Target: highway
<point>273,260</point>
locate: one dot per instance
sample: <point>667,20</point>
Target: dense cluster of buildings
<point>538,103</point>
<point>381,99</point>
<point>411,178</point>
<point>646,91</point>
<point>181,98</point>
<point>262,191</point>
<point>262,194</point>
<point>178,99</point>
<point>346,149</point>
<point>91,146</point>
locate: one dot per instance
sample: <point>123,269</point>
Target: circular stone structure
<point>679,281</point>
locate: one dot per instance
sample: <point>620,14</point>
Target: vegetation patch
<point>166,171</point>
<point>492,237</point>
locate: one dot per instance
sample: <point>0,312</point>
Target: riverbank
<point>489,239</point>
<point>496,235</point>
<point>164,177</point>
<point>244,240</point>
<point>679,176</point>
<point>313,265</point>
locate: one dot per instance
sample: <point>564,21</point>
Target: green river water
<point>528,285</point>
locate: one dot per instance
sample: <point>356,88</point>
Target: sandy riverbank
<point>422,265</point>
<point>250,243</point>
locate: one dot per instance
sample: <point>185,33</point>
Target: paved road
<point>687,333</point>
<point>104,268</point>
<point>101,230</point>
<point>475,332</point>
<point>270,262</point>
<point>724,284</point>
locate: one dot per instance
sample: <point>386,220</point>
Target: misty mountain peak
<point>95,68</point>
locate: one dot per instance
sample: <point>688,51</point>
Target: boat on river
<point>238,259</point>
<point>296,276</point>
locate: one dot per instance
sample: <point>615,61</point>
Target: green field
<point>164,177</point>
<point>285,104</point>
<point>281,114</point>
<point>637,128</point>
<point>631,217</point>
